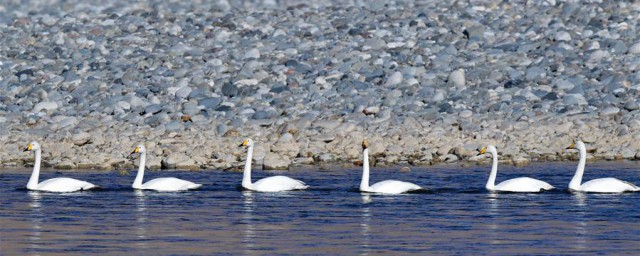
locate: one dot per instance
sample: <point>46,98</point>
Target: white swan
<point>55,184</point>
<point>386,186</point>
<point>159,184</point>
<point>521,184</point>
<point>602,185</point>
<point>269,184</point>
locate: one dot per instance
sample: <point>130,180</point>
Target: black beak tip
<point>25,150</point>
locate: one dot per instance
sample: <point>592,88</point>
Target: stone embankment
<point>424,81</point>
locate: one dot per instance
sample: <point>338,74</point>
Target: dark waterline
<point>456,216</point>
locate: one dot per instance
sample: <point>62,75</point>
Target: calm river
<point>457,216</point>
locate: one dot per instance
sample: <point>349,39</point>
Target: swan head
<point>491,149</point>
<point>139,149</point>
<point>365,144</point>
<point>33,146</point>
<point>247,143</point>
<point>576,145</point>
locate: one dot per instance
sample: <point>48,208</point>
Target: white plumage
<point>52,185</point>
<point>269,184</point>
<point>602,185</point>
<point>522,184</point>
<point>383,187</point>
<point>159,184</point>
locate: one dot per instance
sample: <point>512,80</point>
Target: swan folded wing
<point>523,184</point>
<point>278,183</point>
<point>608,185</point>
<point>64,185</point>
<point>393,187</point>
<point>169,184</point>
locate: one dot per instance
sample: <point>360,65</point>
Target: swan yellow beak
<point>483,150</point>
<point>28,148</point>
<point>135,151</point>
<point>572,146</point>
<point>244,143</point>
<point>365,144</point>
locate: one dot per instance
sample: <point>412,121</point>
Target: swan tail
<point>302,185</point>
<point>195,186</point>
<point>89,186</point>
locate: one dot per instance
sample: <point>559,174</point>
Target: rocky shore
<point>424,81</point>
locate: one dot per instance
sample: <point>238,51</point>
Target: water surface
<point>456,216</point>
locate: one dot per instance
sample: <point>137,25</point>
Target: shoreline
<point>356,164</point>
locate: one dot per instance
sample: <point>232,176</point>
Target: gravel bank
<point>424,81</point>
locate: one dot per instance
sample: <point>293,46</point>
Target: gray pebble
<point>465,113</point>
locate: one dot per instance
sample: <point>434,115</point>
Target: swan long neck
<point>576,181</point>
<point>246,175</point>
<point>35,175</point>
<point>137,183</point>
<point>364,184</point>
<point>491,183</point>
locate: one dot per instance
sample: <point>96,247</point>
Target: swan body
<point>602,185</point>
<point>269,184</point>
<point>52,185</point>
<point>160,184</point>
<point>382,187</point>
<point>522,184</point>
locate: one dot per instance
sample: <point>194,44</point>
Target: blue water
<point>456,216</point>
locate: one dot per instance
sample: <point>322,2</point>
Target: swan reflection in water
<point>365,225</point>
<point>580,225</point>
<point>142,216</point>
<point>249,232</point>
<point>36,219</point>
<point>494,216</point>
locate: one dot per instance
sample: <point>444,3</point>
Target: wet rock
<point>457,77</point>
<point>563,36</point>
<point>448,158</point>
<point>550,96</point>
<point>81,139</point>
<point>178,161</point>
<point>465,113</point>
<point>302,161</point>
<point>325,158</point>
<point>47,105</point>
<point>173,126</point>
<point>65,164</point>
<point>275,161</point>
<point>287,146</point>
<point>252,54</point>
<point>635,48</point>
<point>371,110</point>
<point>394,79</point>
<point>631,105</point>
<point>574,99</point>
<point>153,109</point>
<point>210,103</point>
<point>183,92</point>
<point>609,111</point>
<point>520,160</point>
<point>230,90</point>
